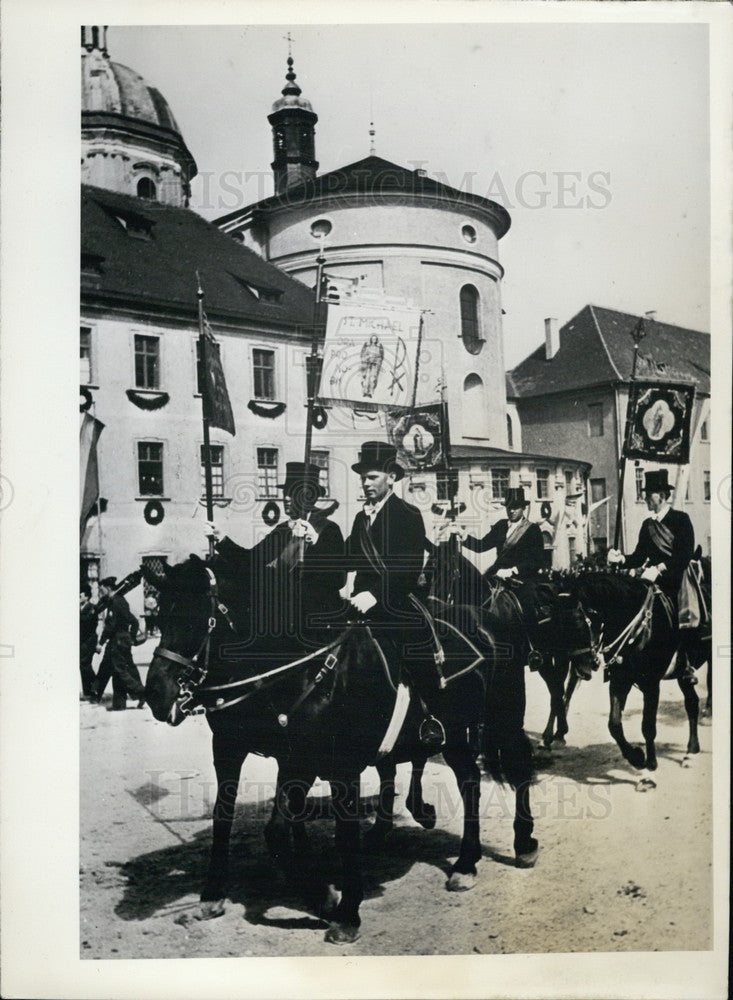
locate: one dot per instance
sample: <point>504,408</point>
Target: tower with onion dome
<point>131,142</point>
<point>293,123</point>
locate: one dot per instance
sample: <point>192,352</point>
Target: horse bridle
<point>193,673</point>
<point>595,648</point>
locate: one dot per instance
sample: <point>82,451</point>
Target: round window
<point>469,234</point>
<point>320,229</point>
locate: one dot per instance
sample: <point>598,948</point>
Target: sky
<point>595,137</point>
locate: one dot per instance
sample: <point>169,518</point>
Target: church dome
<point>292,94</point>
<point>108,86</point>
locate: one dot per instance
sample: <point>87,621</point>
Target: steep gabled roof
<point>378,177</point>
<point>141,253</point>
<point>596,348</point>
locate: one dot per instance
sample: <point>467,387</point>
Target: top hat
<point>657,481</point>
<point>378,456</point>
<point>514,497</point>
<point>300,478</point>
<point>109,582</point>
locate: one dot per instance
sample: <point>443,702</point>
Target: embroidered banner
<point>658,427</point>
<point>369,355</point>
<point>420,436</point>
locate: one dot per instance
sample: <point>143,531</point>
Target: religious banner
<point>369,355</point>
<point>420,436</point>
<point>217,407</point>
<point>658,426</point>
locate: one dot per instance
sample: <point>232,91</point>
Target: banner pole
<point>417,362</point>
<point>638,333</point>
<point>312,361</point>
<point>205,410</point>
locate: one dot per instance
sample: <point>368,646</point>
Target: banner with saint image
<point>658,427</point>
<point>369,355</point>
<point>420,436</point>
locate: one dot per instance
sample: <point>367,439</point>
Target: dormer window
<point>147,189</point>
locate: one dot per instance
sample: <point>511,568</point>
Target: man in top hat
<point>517,541</point>
<point>666,539</point>
<point>386,548</point>
<point>120,629</point>
<point>295,572</point>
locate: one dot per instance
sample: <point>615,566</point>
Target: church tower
<point>293,123</point>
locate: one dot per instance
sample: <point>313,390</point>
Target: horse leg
<point>526,847</point>
<point>375,837</point>
<point>287,821</point>
<point>461,758</point>
<point>650,693</point>
<point>570,688</point>
<point>229,756</point>
<point>345,921</point>
<point>420,810</point>
<point>619,691</point>
<point>561,666</point>
<point>548,675</point>
<point>692,707</point>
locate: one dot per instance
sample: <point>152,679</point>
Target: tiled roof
<point>374,176</point>
<point>479,453</point>
<point>596,348</point>
<point>142,253</point>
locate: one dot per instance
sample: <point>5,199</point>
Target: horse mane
<point>617,592</point>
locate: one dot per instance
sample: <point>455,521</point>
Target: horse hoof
<point>461,882</point>
<point>559,741</point>
<point>338,933</point>
<point>527,858</point>
<point>425,816</point>
<point>329,903</point>
<point>637,758</point>
<point>688,760</point>
<point>645,784</point>
<point>211,909</point>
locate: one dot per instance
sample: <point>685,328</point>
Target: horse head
<point>186,609</point>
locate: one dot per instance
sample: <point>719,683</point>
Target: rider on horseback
<point>665,547</point>
<point>386,548</point>
<point>295,572</point>
<point>519,551</point>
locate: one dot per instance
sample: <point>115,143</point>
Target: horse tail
<point>507,750</point>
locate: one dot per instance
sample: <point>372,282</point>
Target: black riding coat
<point>285,594</point>
<point>398,535</point>
<point>120,620</point>
<point>527,554</point>
<point>683,547</point>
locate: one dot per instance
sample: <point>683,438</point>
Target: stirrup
<point>432,733</point>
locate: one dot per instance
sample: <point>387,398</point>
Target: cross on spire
<point>289,39</point>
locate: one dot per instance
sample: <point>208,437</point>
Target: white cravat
<point>371,510</point>
<point>514,527</point>
<point>661,512</point>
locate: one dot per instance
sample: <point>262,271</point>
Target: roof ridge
<point>603,342</point>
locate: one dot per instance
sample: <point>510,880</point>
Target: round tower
<point>293,123</point>
<point>130,140</point>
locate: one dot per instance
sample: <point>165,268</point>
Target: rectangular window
<point>156,564</point>
<point>446,485</point>
<point>216,457</point>
<point>572,551</point>
<point>595,420</point>
<point>263,367</point>
<point>688,490</point>
<point>499,483</point>
<point>543,484</point>
<point>85,355</point>
<point>704,431</point>
<point>267,472</point>
<point>147,362</point>
<point>600,544</point>
<point>150,468</point>
<point>320,458</point>
<point>639,480</point>
<point>706,486</point>
<point>569,482</point>
<point>597,490</point>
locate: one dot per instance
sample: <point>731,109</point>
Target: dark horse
<point>639,638</point>
<point>309,713</point>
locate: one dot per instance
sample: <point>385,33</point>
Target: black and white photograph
<point>404,500</point>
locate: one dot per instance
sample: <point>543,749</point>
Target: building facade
<point>571,396</point>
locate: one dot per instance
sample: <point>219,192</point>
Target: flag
<point>217,407</point>
<point>89,433</point>
<point>370,354</point>
<point>420,435</point>
<point>597,504</point>
<point>658,424</point>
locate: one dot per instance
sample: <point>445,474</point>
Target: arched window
<point>509,431</point>
<point>474,407</point>
<point>146,189</point>
<point>470,330</point>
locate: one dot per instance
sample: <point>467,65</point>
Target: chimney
<point>552,339</point>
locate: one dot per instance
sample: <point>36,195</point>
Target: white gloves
<point>615,558</point>
<point>650,574</point>
<point>504,574</point>
<point>304,529</point>
<point>212,530</point>
<point>363,602</point>
<point>450,528</point>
